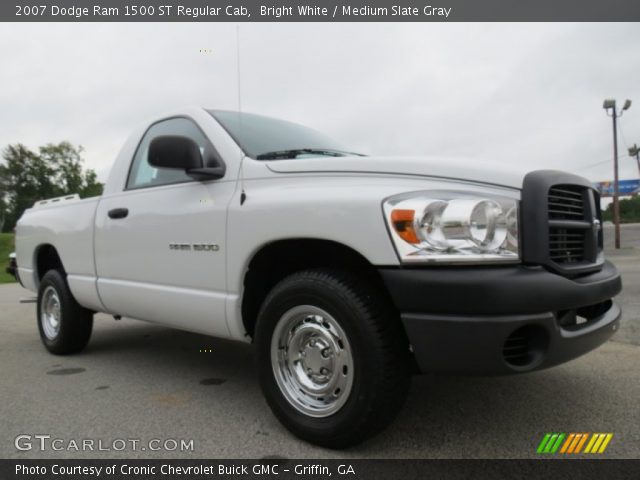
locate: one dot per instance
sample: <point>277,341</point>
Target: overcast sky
<point>516,93</point>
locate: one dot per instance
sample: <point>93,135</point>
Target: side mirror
<point>175,151</point>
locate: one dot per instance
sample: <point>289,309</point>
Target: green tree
<point>26,177</point>
<point>629,210</point>
<point>91,187</point>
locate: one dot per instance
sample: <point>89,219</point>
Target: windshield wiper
<point>284,154</point>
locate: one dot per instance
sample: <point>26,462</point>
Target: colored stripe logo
<point>573,443</point>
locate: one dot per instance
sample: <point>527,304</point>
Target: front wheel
<point>64,325</point>
<point>332,357</point>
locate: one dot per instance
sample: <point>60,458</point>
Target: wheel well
<point>47,258</point>
<point>277,260</point>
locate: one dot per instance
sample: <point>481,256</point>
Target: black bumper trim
<point>496,290</point>
<point>474,345</point>
<point>470,320</point>
<point>12,270</point>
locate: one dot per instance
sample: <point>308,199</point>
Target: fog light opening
<point>525,347</point>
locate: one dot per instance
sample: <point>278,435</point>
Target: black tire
<point>380,352</point>
<point>75,322</point>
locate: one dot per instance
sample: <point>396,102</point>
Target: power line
<point>584,167</point>
<point>622,133</point>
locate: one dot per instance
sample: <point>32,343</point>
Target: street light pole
<point>616,185</point>
<point>610,104</point>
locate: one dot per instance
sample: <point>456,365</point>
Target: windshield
<point>266,138</point>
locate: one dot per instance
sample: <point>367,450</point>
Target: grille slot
<point>566,203</point>
<point>516,350</point>
<point>566,245</point>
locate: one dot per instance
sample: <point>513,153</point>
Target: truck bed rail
<point>51,201</point>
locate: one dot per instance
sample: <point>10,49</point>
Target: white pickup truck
<point>347,272</point>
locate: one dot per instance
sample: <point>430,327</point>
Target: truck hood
<point>461,169</point>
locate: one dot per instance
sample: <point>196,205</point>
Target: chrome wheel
<point>50,313</point>
<point>312,361</point>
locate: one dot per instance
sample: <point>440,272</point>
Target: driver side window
<point>142,174</point>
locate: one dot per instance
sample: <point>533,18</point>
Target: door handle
<point>116,213</point>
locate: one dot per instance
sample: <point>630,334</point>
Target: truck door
<point>160,243</point>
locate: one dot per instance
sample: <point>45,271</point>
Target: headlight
<point>455,227</point>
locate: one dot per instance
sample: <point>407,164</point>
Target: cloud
<point>520,93</point>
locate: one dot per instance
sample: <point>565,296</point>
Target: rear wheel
<point>332,357</point>
<point>64,325</point>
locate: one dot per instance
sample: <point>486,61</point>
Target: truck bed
<point>67,224</point>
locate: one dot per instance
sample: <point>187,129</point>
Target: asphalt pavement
<point>144,382</point>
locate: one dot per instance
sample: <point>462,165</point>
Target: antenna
<point>238,67</point>
<point>243,195</point>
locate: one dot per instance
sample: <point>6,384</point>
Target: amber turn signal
<point>402,221</point>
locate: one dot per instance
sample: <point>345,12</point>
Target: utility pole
<point>611,105</point>
<point>635,152</point>
<point>616,181</point>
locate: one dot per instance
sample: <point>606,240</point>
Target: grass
<point>6,247</point>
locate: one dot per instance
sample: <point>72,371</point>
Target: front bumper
<point>12,268</point>
<point>502,319</point>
